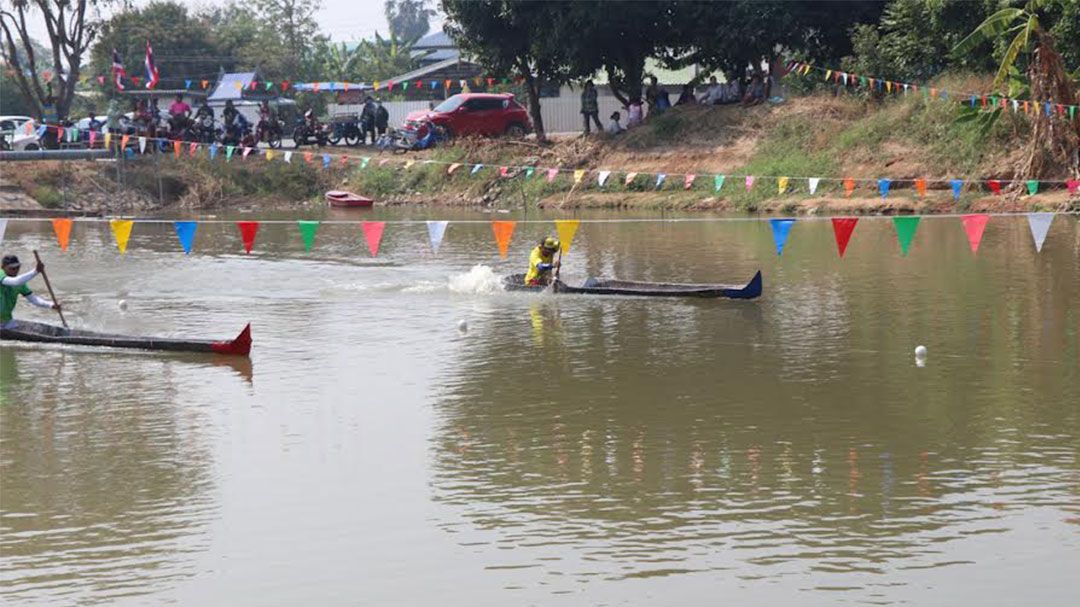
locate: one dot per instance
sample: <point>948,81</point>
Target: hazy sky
<point>343,20</point>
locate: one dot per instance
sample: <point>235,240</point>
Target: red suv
<point>475,114</point>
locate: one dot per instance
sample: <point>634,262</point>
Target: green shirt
<point>9,296</point>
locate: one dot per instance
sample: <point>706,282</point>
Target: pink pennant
<point>749,182</point>
<point>551,174</point>
<point>974,226</point>
<point>192,149</point>
<point>503,171</point>
<point>373,231</point>
<point>688,181</point>
<point>1074,186</point>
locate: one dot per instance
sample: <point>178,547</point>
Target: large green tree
<point>48,80</point>
<point>513,37</point>
<point>409,19</point>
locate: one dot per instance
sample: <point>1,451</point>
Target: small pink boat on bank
<point>341,199</point>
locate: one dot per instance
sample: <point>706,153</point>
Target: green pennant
<point>862,80</point>
<point>269,85</point>
<point>993,100</point>
<point>718,182</point>
<point>229,149</point>
<point>1033,186</point>
<point>529,172</point>
<point>905,231</point>
<point>307,232</point>
<point>1072,112</point>
<point>364,161</point>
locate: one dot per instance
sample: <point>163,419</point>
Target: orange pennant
<point>308,156</point>
<point>503,231</point>
<point>124,141</point>
<point>920,186</point>
<point>176,147</point>
<point>62,227</point>
<point>849,186</point>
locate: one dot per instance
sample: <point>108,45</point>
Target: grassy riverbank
<point>902,138</point>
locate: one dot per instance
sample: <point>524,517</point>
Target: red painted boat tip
<point>241,346</point>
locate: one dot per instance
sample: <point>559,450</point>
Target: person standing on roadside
<point>590,107</point>
<point>382,118</point>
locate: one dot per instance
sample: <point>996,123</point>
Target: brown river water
<point>564,450</point>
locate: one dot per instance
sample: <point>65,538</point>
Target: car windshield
<point>450,104</point>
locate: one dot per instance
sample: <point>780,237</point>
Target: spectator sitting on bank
<point>734,93</point>
<point>687,96</point>
<point>714,94</point>
<point>590,107</point>
<point>614,128</point>
<point>633,114</point>
<point>755,93</point>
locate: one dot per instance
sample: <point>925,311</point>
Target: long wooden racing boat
<point>601,286</point>
<point>40,332</point>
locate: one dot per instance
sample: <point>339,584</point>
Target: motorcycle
<point>270,131</point>
<point>347,129</point>
<point>205,131</point>
<point>400,141</point>
<point>307,133</point>
<point>239,135</point>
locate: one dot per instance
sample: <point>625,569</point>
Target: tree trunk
<point>532,90</point>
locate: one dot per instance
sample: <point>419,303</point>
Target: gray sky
<point>343,20</point>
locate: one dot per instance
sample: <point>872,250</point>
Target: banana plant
<point>1022,24</point>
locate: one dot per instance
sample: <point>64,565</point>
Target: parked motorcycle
<point>347,128</point>
<point>307,134</point>
<point>269,131</point>
<point>205,131</point>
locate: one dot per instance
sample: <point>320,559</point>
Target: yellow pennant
<point>781,184</point>
<point>375,85</point>
<point>566,228</point>
<point>579,175</point>
<point>269,155</point>
<point>409,163</point>
<point>121,229</point>
<point>108,139</point>
<point>828,73</point>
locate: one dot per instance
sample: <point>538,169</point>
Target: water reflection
<point>110,493</point>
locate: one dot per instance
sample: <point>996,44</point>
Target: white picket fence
<point>561,114</point>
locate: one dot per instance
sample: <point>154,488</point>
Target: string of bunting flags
<point>783,184</point>
<point>1028,106</point>
<point>973,224</point>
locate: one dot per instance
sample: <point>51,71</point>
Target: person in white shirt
<point>714,94</point>
<point>613,127</point>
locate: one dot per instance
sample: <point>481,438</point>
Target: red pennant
<point>308,156</point>
<point>248,229</point>
<point>842,229</point>
<point>101,80</point>
<point>373,231</point>
<point>193,149</point>
<point>491,82</point>
<point>974,226</point>
<point>419,84</point>
<point>995,186</point>
<point>1074,186</point>
<point>284,85</point>
<point>983,100</point>
<point>344,160</point>
<point>503,171</point>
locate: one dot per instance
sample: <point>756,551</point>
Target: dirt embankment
<point>831,138</point>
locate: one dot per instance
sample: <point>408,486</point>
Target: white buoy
<point>920,351</point>
<point>123,305</point>
<point>463,326</point>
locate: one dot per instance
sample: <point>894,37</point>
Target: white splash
<point>480,279</point>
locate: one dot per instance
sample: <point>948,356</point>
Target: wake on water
<point>480,279</point>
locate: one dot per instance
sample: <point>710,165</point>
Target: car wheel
<point>515,131</point>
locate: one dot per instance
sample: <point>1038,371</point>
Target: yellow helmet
<point>551,243</point>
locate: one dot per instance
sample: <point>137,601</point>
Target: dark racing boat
<point>43,333</point>
<point>602,286</point>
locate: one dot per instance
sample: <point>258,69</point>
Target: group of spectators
<point>374,120</point>
<point>657,99</point>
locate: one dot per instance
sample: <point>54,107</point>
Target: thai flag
<point>151,69</point>
<point>118,70</point>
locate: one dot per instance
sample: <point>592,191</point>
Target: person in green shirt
<point>13,284</point>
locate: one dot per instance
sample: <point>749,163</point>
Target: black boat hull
<point>43,333</point>
<point>595,286</point>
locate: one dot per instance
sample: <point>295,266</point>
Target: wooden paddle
<point>558,266</point>
<point>48,286</point>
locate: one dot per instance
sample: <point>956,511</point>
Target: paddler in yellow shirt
<point>542,262</point>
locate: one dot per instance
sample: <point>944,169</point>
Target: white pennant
<point>436,230</point>
<point>814,181</point>
<point>1016,105</point>
<point>142,145</point>
<point>288,157</point>
<point>601,178</point>
<point>3,228</point>
<point>1040,225</point>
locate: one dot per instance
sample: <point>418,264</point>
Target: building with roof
<point>434,48</point>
